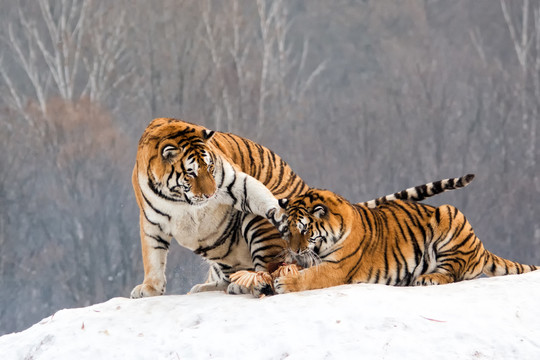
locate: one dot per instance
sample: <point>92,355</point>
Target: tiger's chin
<point>190,199</point>
<point>200,201</point>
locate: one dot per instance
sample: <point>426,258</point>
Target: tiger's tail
<point>421,192</point>
<point>497,266</point>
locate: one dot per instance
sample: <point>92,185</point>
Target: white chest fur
<point>192,226</point>
<point>196,226</point>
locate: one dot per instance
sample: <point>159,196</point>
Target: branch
<point>217,60</point>
<point>522,46</point>
<point>53,59</point>
<point>477,41</point>
<point>265,20</point>
<point>15,98</point>
<point>28,62</point>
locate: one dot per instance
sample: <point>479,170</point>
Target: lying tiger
<point>216,194</point>
<point>397,243</point>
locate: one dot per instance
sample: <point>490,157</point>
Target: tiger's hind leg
<point>454,249</point>
<point>235,289</point>
<point>216,281</point>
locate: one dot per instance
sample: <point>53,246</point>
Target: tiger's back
<point>415,244</point>
<point>261,163</point>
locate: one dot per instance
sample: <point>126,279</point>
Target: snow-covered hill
<point>488,318</point>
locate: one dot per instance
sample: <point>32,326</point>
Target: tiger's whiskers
<point>305,258</point>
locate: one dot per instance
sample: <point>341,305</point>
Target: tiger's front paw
<point>286,284</point>
<point>278,218</point>
<point>145,290</point>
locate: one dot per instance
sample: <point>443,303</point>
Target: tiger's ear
<point>320,210</point>
<point>169,152</point>
<point>283,203</point>
<point>207,134</point>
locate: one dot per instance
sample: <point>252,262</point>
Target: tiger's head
<point>178,161</point>
<point>317,221</point>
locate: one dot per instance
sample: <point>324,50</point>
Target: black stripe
<point>328,253</point>
<point>422,192</point>
<point>279,179</point>
<point>222,174</point>
<point>377,275</point>
<point>229,189</point>
<point>156,191</point>
<point>160,240</point>
<point>229,235</point>
<point>411,236</point>
<point>153,208</point>
<point>402,195</point>
<point>295,191</point>
<point>457,246</point>
<point>252,223</point>
<point>413,218</point>
<point>151,222</point>
<point>355,268</point>
<point>240,152</point>
<point>245,205</point>
<point>369,274</point>
<point>258,169</point>
<point>437,187</point>
<point>438,215</point>
<point>250,154</point>
<point>269,168</point>
<point>171,174</point>
<point>385,256</point>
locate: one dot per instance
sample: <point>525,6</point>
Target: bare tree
<point>267,71</point>
<point>526,45</point>
<point>61,54</point>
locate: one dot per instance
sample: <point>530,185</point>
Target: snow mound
<point>488,318</point>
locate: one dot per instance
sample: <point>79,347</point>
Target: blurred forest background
<point>361,97</point>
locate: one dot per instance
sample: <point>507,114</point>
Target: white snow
<point>487,318</point>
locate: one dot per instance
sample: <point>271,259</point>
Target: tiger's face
<point>315,225</point>
<point>182,165</point>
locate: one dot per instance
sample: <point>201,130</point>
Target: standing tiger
<point>214,193</point>
<point>396,243</point>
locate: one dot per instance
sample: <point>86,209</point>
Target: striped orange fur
<point>214,193</point>
<point>396,243</point>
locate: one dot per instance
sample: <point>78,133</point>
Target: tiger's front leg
<point>316,277</point>
<point>249,195</point>
<point>155,248</point>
